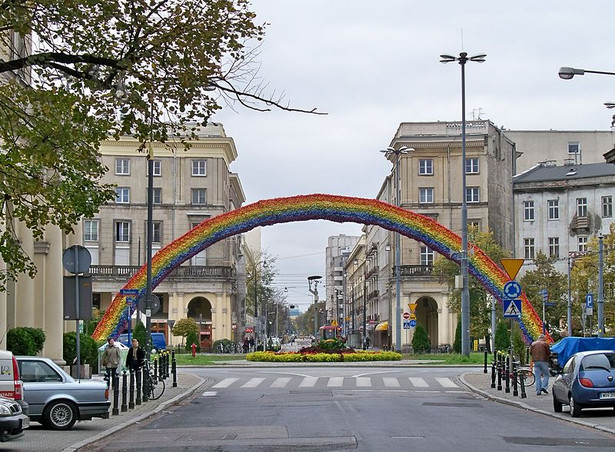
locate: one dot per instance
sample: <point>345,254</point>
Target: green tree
<point>457,342</point>
<point>140,334</point>
<point>544,276</point>
<point>183,327</point>
<point>420,340</point>
<point>193,338</point>
<point>480,308</point>
<point>80,71</point>
<point>87,347</point>
<point>502,336</point>
<point>25,340</point>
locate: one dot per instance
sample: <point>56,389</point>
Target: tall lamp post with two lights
<point>398,152</point>
<point>314,280</point>
<point>462,59</point>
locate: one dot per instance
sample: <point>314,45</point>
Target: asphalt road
<point>339,409</point>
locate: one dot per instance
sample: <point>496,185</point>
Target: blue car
<point>587,381</point>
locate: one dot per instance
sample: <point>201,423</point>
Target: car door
<point>562,383</point>
<point>41,383</point>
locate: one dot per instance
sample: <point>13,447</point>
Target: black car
<point>12,420</point>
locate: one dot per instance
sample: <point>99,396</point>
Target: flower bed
<point>323,357</point>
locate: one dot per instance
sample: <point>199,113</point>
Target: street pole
<point>600,284</point>
<point>569,307</point>
<point>256,322</point>
<point>149,238</point>
<point>465,290</point>
<point>397,265</point>
<point>364,306</point>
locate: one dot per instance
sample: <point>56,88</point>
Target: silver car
<point>56,400</point>
<point>12,420</point>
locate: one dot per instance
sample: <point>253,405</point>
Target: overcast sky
<point>372,65</point>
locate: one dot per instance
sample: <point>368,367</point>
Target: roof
<point>546,171</point>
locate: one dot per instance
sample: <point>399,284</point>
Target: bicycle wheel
<point>156,389</point>
<point>528,376</point>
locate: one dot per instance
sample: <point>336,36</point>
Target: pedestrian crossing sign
<point>512,308</point>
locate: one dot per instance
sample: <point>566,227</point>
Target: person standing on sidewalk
<point>111,359</point>
<point>541,353</point>
<point>135,356</point>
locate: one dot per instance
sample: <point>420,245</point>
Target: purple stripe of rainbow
<point>339,209</point>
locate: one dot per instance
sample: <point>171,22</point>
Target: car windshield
<point>604,361</point>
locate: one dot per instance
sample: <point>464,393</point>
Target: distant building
<point>338,249</point>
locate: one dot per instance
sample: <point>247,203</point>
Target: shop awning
<point>382,326</point>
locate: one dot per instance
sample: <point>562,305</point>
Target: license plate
<point>607,395</point>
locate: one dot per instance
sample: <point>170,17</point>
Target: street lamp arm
<point>567,73</point>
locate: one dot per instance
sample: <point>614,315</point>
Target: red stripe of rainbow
<point>340,209</point>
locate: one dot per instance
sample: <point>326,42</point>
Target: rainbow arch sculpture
<point>335,208</point>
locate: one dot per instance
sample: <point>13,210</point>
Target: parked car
<point>55,399</point>
<point>587,381</point>
<point>11,385</point>
<point>13,421</point>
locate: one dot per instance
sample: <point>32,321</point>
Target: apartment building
<point>190,186</point>
<point>337,251</point>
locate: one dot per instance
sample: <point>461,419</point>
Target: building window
<point>157,198</point>
<point>199,197</point>
<point>122,167</point>
<point>474,224</point>
<point>122,231</point>
<point>426,195</point>
<point>157,168</point>
<point>199,167</point>
<point>607,207</point>
<point>426,167</point>
<point>122,195</point>
<point>528,247</point>
<point>528,210</point>
<point>90,230</point>
<point>156,231</point>
<point>582,207</point>
<point>553,209</point>
<point>554,247</point>
<point>472,194</point>
<point>472,166</point>
<point>427,255</point>
<point>574,147</point>
<point>582,241</point>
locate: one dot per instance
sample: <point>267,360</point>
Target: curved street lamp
<point>567,73</point>
<point>462,59</point>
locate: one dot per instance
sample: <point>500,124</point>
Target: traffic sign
<point>512,308</point>
<point>589,304</point>
<point>512,290</point>
<point>406,315</point>
<point>545,294</point>
<point>407,324</point>
<point>412,316</point>
<point>512,266</point>
<point>412,306</point>
<point>129,291</point>
<point>412,323</point>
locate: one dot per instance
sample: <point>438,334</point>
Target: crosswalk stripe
<point>364,382</point>
<point>280,382</point>
<point>308,382</point>
<point>418,382</point>
<point>446,382</point>
<point>335,381</point>
<point>253,382</point>
<point>225,383</point>
<point>390,382</point>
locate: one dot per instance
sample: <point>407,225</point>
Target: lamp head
<point>447,58</point>
<point>567,73</point>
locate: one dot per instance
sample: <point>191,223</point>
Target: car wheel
<point>575,408</point>
<point>60,415</point>
<point>557,405</point>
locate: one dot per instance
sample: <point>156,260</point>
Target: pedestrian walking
<point>135,357</point>
<point>111,359</point>
<point>540,352</point>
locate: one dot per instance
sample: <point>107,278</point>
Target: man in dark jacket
<point>135,356</point>
<point>541,352</point>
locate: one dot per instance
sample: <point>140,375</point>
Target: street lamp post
<point>314,280</point>
<point>388,151</point>
<point>462,59</point>
<point>567,73</point>
<point>149,239</point>
<point>600,284</point>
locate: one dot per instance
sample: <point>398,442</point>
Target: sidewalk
<point>83,433</point>
<point>600,419</point>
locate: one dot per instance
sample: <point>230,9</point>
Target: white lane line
<point>446,382</point>
<point>252,382</point>
<point>209,394</point>
<point>364,382</point>
<point>280,382</point>
<point>225,383</point>
<point>308,382</point>
<point>390,382</point>
<point>418,382</point>
<point>336,381</point>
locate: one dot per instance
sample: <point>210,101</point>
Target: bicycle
<point>527,374</point>
<point>156,386</point>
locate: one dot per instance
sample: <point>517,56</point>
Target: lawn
<point>207,359</point>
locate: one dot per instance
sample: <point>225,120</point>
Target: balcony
<point>581,223</point>
<point>183,273</point>
<point>415,270</point>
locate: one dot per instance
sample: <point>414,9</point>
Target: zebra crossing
<point>358,382</point>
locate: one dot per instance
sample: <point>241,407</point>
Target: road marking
<point>308,382</point>
<point>446,382</point>
<point>280,382</point>
<point>336,382</point>
<point>364,382</point>
<point>225,383</point>
<point>209,394</point>
<point>390,382</point>
<point>418,382</point>
<point>253,382</point>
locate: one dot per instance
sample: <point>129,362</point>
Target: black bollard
<point>514,377</point>
<point>145,395</point>
<point>499,388</point>
<point>522,380</point>
<point>485,368</point>
<point>116,395</point>
<point>493,370</point>
<point>138,377</point>
<point>124,406</point>
<point>174,370</point>
<point>156,370</point>
<point>507,367</point>
<point>131,401</point>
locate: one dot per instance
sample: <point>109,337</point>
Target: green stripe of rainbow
<point>340,209</point>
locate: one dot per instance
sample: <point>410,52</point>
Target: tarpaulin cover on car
<point>568,346</point>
